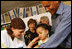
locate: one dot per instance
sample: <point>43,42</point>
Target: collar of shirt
<point>60,9</point>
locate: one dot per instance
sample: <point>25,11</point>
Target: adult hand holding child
<point>34,41</point>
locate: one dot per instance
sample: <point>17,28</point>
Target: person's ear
<point>47,31</point>
<point>12,28</point>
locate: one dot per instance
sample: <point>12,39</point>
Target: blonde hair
<point>44,18</point>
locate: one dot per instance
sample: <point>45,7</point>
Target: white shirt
<point>7,42</point>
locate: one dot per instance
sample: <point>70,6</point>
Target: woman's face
<point>43,33</point>
<point>18,32</point>
<point>31,26</point>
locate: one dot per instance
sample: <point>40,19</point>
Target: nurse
<point>12,37</point>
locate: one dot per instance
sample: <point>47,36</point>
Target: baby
<point>43,32</point>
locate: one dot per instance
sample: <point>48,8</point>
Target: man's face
<point>18,32</point>
<point>31,26</point>
<point>42,33</point>
<point>51,6</point>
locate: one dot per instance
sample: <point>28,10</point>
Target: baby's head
<point>43,31</point>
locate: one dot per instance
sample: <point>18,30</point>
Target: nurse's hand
<point>34,41</point>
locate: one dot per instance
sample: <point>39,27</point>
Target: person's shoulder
<point>66,11</point>
<point>3,32</point>
<point>4,35</point>
<point>67,8</point>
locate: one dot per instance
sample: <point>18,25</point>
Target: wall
<point>8,5</point>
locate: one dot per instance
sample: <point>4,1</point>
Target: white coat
<point>7,42</point>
